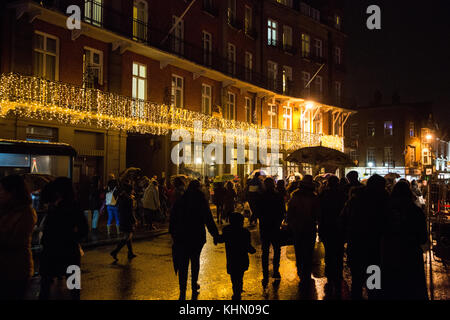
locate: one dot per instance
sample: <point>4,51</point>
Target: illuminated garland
<point>35,98</point>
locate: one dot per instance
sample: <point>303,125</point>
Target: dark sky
<point>410,54</point>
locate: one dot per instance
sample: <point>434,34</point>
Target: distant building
<point>398,138</point>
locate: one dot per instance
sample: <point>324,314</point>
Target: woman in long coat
<point>190,215</point>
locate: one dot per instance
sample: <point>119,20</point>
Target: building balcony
<point>234,22</point>
<point>289,49</point>
<point>251,32</point>
<point>209,8</point>
<point>36,98</point>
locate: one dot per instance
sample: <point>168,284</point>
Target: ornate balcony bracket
<point>227,83</point>
<point>164,63</point>
<point>198,74</point>
<point>123,45</point>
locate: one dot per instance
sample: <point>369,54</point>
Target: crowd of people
<point>375,226</point>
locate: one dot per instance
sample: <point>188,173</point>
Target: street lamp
<point>429,137</point>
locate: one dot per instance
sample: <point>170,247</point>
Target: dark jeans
<point>254,206</point>
<point>266,241</point>
<point>128,241</point>
<point>192,255</point>
<point>13,290</point>
<point>220,213</point>
<point>334,251</point>
<point>304,249</point>
<point>237,280</point>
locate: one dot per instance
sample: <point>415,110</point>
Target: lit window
<point>388,156</point>
<point>371,129</point>
<point>248,19</point>
<point>306,45</point>
<point>92,67</point>
<point>231,106</point>
<point>371,158</point>
<point>248,109</point>
<point>177,91</point>
<point>287,118</point>
<point>272,32</point>
<point>206,99</point>
<point>140,20</point>
<point>337,22</point>
<point>287,79</point>
<point>93,12</point>
<point>46,56</point>
<point>388,128</point>
<point>412,129</point>
<point>273,116</point>
<point>139,88</point>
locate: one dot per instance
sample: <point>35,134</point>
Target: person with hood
<point>332,201</point>
<point>64,228</point>
<point>127,221</point>
<point>17,219</point>
<point>237,245</point>
<point>271,214</point>
<point>303,212</point>
<point>151,203</point>
<point>190,215</point>
<point>403,265</point>
<point>364,219</point>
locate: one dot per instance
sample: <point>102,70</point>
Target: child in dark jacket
<point>238,245</point>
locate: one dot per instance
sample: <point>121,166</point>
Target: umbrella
<point>225,177</point>
<point>130,174</point>
<point>392,176</point>
<point>262,172</point>
<point>35,181</point>
<point>321,156</point>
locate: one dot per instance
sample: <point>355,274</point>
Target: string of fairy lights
<point>41,99</point>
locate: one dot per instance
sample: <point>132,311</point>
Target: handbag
<point>110,199</point>
<point>286,236</point>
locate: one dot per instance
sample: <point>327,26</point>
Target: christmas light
<point>35,98</point>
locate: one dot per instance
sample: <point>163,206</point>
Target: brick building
<point>115,88</point>
<point>398,137</point>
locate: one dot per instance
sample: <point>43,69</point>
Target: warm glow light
<point>36,98</point>
<point>429,137</point>
<point>370,164</point>
<point>309,105</point>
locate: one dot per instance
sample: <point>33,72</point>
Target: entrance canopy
<point>321,156</point>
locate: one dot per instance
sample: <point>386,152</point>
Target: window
<point>371,129</point>
<point>248,66</point>
<point>354,155</point>
<point>272,32</point>
<point>337,90</point>
<point>388,128</point>
<point>287,3</point>
<point>319,85</point>
<point>177,91</point>
<point>287,79</point>
<point>139,88</point>
<point>207,48</point>
<point>248,19</point>
<point>412,129</point>
<point>272,70</point>
<point>93,12</point>
<point>354,131</point>
<point>231,59</point>
<point>92,67</point>
<point>206,99</point>
<point>46,56</point>
<point>140,20</point>
<point>412,156</point>
<point>305,78</point>
<point>248,109</point>
<point>178,36</point>
<point>273,116</point>
<point>371,159</point>
<point>315,14</point>
<point>337,55</point>
<point>318,48</point>
<point>306,45</point>
<point>231,106</point>
<point>388,157</point>
<point>337,22</point>
<point>231,11</point>
<point>287,37</point>
<point>426,157</point>
<point>287,118</point>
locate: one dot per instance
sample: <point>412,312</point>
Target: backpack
<point>110,199</point>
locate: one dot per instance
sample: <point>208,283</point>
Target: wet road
<point>151,276</point>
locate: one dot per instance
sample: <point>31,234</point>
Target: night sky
<point>410,54</point>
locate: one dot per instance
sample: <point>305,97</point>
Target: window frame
<point>45,53</point>
<point>273,115</point>
<point>136,35</point>
<point>207,48</point>
<point>272,32</point>
<point>100,53</point>
<point>306,45</point>
<point>231,105</point>
<point>231,57</point>
<point>205,97</point>
<point>175,89</point>
<point>287,117</point>
<point>248,109</point>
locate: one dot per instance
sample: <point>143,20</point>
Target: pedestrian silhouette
<point>303,212</point>
<point>238,245</point>
<point>229,200</point>
<point>218,200</point>
<point>17,219</point>
<point>271,214</point>
<point>128,221</point>
<point>403,265</point>
<point>190,215</point>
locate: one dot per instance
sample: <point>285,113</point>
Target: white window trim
<point>287,36</point>
<point>229,105</point>
<point>272,32</point>
<point>248,109</point>
<point>287,117</point>
<point>182,89</point>
<point>206,96</point>
<point>272,114</point>
<point>100,53</point>
<point>49,53</point>
<point>318,47</point>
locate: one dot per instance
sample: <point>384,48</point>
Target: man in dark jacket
<point>364,220</point>
<point>190,215</point>
<point>303,212</point>
<point>271,214</point>
<point>254,190</point>
<point>332,201</point>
